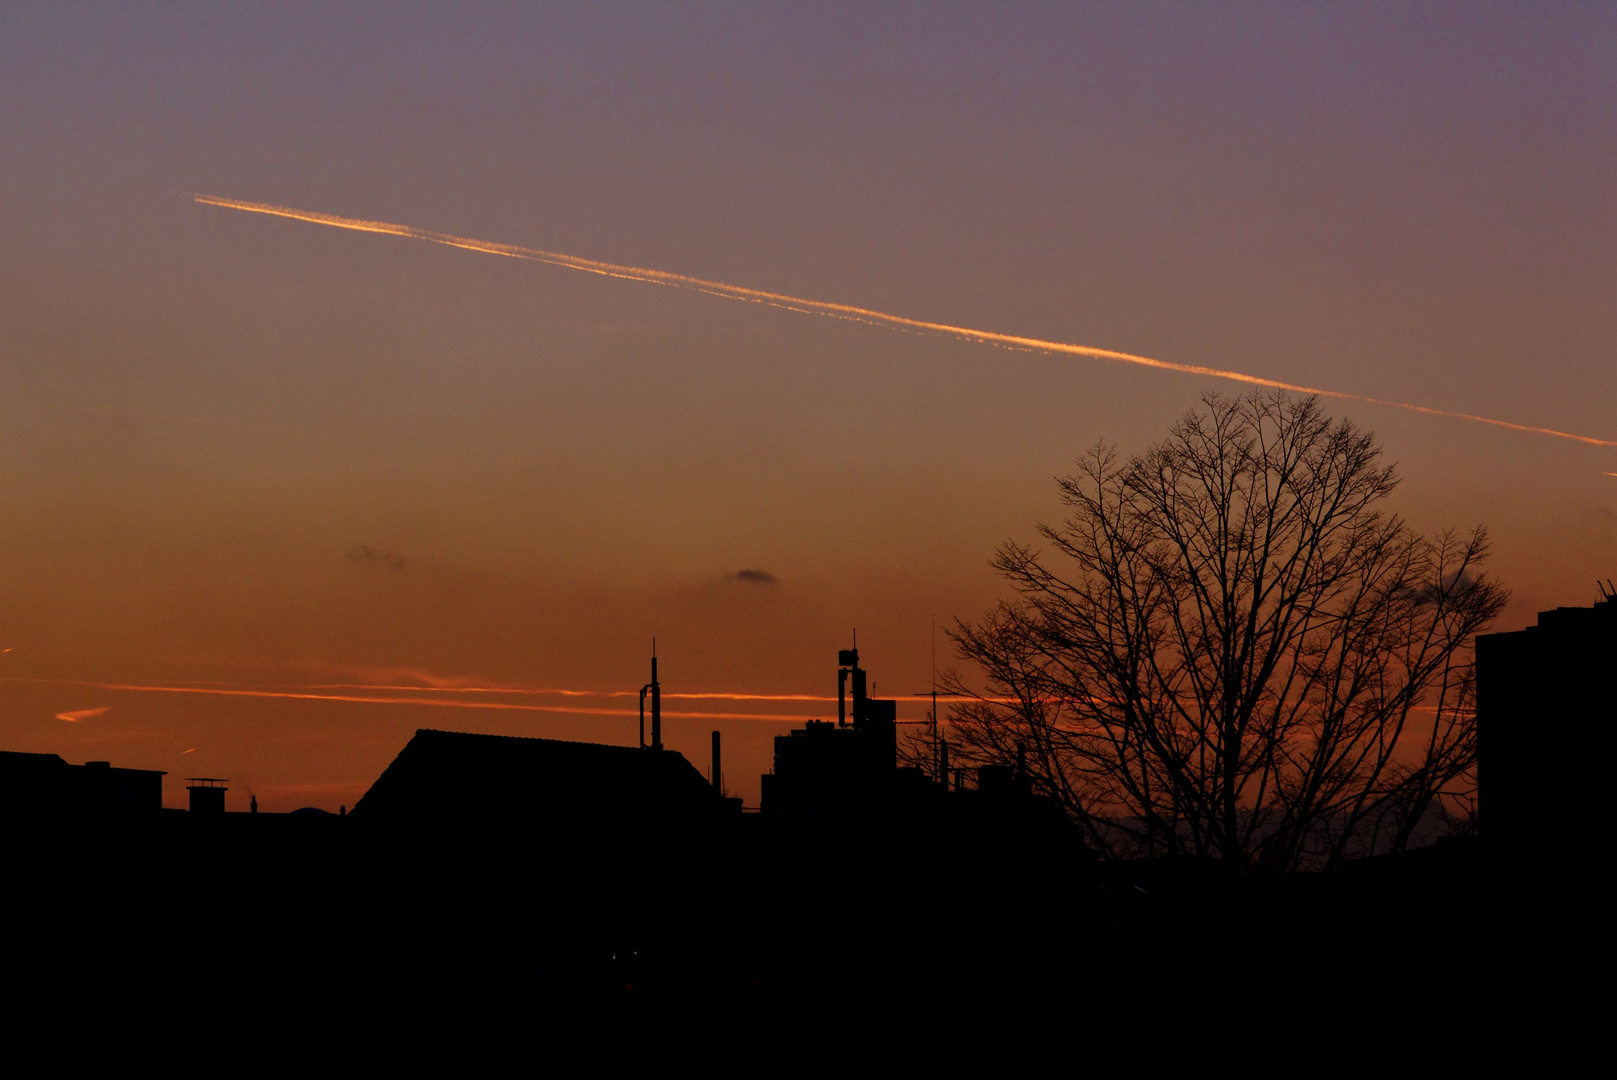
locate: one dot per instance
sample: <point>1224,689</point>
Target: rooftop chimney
<point>207,794</point>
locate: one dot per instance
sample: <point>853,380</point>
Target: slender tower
<point>656,703</point>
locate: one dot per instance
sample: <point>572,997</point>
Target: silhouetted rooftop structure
<point>208,794</point>
<point>590,896</point>
<point>451,776</point>
<point>824,768</point>
<point>1546,705</point>
<point>45,785</point>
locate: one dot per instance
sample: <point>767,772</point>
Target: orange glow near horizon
<point>849,312</point>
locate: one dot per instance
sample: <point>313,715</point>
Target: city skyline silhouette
<point>341,557</point>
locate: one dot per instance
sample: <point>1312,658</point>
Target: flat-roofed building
<point>1546,708</point>
<point>44,785</point>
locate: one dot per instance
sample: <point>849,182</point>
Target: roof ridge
<point>525,738</point>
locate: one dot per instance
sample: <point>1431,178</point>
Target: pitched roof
<point>451,775</point>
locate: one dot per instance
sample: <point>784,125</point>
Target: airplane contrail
<point>378,699</point>
<point>847,311</point>
<point>528,691</point>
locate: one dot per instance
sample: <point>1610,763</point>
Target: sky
<point>248,456</point>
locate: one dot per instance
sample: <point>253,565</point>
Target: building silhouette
<point>45,786</point>
<point>825,768</point>
<point>1546,709</point>
<point>542,786</point>
<point>591,906</point>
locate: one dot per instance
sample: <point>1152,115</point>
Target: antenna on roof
<point>848,667</point>
<point>657,702</point>
<point>655,690</point>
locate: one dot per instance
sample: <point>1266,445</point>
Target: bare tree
<point>1229,649</point>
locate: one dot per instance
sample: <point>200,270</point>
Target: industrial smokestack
<point>718,772</point>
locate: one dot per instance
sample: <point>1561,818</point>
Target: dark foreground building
<point>547,788</point>
<point>44,787</point>
<point>824,768</point>
<point>1546,711</point>
<point>587,909</point>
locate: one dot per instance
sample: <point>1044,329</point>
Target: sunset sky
<point>277,494</point>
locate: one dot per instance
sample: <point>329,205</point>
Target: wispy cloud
<point>82,714</point>
<point>371,555</point>
<point>755,577</point>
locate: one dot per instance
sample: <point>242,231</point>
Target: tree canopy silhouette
<point>1230,649</point>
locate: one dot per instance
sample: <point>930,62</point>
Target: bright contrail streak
<point>377,699</point>
<point>538,692</point>
<point>846,311</point>
<point>528,691</point>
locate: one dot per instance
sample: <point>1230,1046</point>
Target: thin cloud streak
<point>83,714</point>
<point>666,694</point>
<point>846,311</point>
<point>366,699</point>
<point>307,690</point>
<point>538,692</point>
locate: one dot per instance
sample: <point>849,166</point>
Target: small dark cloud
<point>755,577</point>
<point>371,555</point>
<point>1455,584</point>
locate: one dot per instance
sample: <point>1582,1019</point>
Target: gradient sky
<point>251,454</point>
